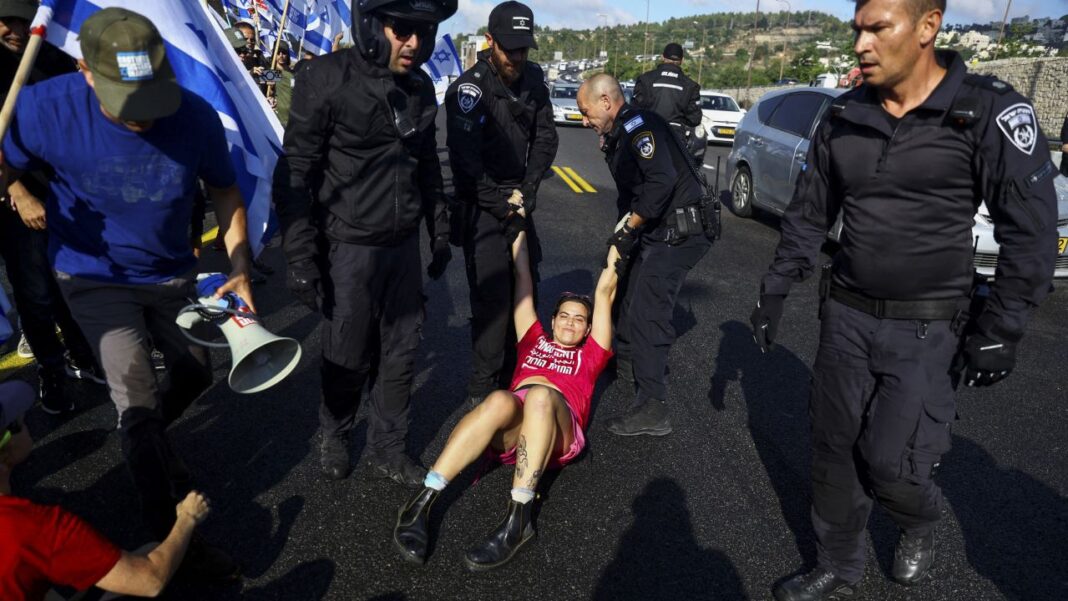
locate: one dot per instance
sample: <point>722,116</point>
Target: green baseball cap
<point>131,75</point>
<point>236,38</point>
<point>23,9</point>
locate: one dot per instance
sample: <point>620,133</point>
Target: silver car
<point>772,143</point>
<point>565,106</point>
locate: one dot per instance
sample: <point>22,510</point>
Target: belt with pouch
<point>929,310</point>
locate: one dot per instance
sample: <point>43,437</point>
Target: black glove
<point>765,319</point>
<point>302,279</point>
<point>512,225</point>
<point>987,361</point>
<point>442,254</point>
<point>624,240</point>
<point>530,199</point>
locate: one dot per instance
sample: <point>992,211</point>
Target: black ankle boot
<point>411,535</point>
<point>504,542</point>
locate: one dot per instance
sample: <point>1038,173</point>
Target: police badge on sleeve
<point>1019,125</point>
<point>468,96</point>
<point>645,144</point>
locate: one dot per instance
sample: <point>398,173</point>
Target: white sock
<point>522,495</point>
<point>435,480</point>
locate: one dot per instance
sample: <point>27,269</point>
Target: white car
<point>719,116</point>
<point>565,107</point>
<point>986,248</point>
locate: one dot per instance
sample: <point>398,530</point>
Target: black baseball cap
<point>23,9</point>
<point>236,38</point>
<point>131,75</point>
<point>673,51</point>
<point>512,25</point>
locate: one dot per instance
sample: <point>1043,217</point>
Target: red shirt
<point>43,545</point>
<point>573,370</point>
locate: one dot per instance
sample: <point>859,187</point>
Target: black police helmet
<point>368,31</point>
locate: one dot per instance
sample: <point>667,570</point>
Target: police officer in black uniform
<point>666,231</point>
<point>906,157</point>
<point>668,92</point>
<point>360,171</point>
<point>501,140</point>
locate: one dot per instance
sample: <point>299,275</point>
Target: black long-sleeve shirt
<point>499,137</point>
<point>360,161</point>
<point>908,196</point>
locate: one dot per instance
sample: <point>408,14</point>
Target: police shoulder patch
<point>468,96</point>
<point>645,144</point>
<point>1020,126</point>
<point>633,124</point>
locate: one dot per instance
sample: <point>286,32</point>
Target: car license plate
<point>1062,245</point>
<point>573,117</point>
<point>725,131</point>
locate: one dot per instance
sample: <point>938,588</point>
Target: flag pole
<point>38,30</point>
<point>278,40</point>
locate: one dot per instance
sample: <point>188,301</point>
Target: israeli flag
<point>325,19</point>
<point>445,61</point>
<point>237,8</point>
<point>205,64</point>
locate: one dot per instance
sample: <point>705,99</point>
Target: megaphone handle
<point>196,340</point>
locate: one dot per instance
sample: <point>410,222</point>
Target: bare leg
<point>546,425</point>
<point>497,418</point>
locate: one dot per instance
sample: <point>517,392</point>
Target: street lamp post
<point>752,50</point>
<point>782,61</point>
<point>704,48</point>
<point>645,45</point>
<point>604,35</point>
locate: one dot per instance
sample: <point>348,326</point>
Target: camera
<point>269,76</point>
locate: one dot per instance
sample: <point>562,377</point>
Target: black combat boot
<point>399,468</point>
<point>334,456</point>
<point>650,418</point>
<point>818,585</point>
<point>411,535</point>
<point>504,542</point>
<point>913,558</point>
<point>50,391</point>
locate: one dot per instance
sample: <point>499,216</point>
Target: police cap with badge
<point>512,25</point>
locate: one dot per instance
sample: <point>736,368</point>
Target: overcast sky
<point>583,14</point>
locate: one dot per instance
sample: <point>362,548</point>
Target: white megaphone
<point>260,358</point>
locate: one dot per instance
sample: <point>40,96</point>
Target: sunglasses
<point>14,428</point>
<point>404,29</point>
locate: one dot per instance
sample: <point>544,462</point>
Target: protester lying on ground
<point>536,424</point>
<point>45,546</point>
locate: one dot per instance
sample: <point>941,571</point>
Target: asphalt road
<point>717,510</point>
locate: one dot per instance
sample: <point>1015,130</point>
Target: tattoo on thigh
<point>521,456</point>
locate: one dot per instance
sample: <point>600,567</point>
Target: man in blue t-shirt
<point>128,145</point>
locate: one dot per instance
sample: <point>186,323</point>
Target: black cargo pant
<point>123,322</point>
<point>37,297</point>
<point>373,314</point>
<point>645,332</point>
<point>488,260</point>
<point>881,409</point>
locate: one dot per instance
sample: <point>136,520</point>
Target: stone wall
<point>1043,80</point>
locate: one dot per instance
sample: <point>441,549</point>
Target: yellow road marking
<point>11,362</point>
<point>585,185</point>
<point>567,180</point>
